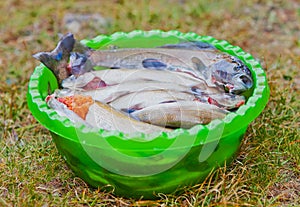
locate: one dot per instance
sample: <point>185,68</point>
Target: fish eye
<point>246,80</point>
<point>236,68</point>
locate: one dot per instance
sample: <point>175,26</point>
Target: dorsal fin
<point>192,45</point>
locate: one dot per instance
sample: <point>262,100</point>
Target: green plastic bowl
<point>145,165</point>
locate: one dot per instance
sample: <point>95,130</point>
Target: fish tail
<point>58,59</point>
<point>46,59</point>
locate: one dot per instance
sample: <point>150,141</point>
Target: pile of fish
<point>145,89</point>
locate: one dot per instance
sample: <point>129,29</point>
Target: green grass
<point>266,171</point>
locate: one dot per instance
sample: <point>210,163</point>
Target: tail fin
<point>58,59</point>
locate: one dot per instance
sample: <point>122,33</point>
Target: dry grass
<point>266,171</point>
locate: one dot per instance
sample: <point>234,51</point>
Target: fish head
<point>232,74</point>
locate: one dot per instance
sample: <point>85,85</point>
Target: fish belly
<point>104,117</point>
<point>110,93</point>
<point>184,114</point>
<point>139,100</point>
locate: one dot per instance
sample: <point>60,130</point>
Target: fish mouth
<point>235,85</point>
<point>246,81</point>
<point>242,83</point>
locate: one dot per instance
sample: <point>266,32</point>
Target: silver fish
<point>112,77</point>
<point>191,45</point>
<point>110,93</point>
<point>184,114</point>
<point>218,69</point>
<point>100,115</point>
<point>139,100</point>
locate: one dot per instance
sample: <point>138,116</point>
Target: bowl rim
<point>253,107</point>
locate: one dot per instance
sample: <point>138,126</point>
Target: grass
<point>266,171</point>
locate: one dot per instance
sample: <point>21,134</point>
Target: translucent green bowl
<point>144,165</point>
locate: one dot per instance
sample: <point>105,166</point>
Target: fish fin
<point>50,91</point>
<point>202,45</point>
<point>128,110</point>
<point>112,47</point>
<point>64,46</point>
<point>197,91</point>
<point>46,59</point>
<point>151,63</point>
<point>192,45</point>
<point>81,48</point>
<point>200,66</point>
<point>204,70</point>
<point>171,101</point>
<point>99,67</point>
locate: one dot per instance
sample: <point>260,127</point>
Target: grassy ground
<point>267,169</point>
